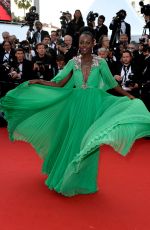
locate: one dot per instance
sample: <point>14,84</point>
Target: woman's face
<point>86,44</point>
<point>77,14</point>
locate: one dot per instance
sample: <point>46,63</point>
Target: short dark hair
<point>127,51</point>
<point>19,50</point>
<point>38,22</point>
<point>102,17</point>
<point>39,44</point>
<point>146,48</point>
<point>122,11</point>
<point>60,57</point>
<point>47,36</point>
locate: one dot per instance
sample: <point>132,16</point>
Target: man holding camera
<point>119,26</point>
<point>22,69</point>
<point>127,74</point>
<point>145,80</point>
<point>44,66</point>
<point>67,49</point>
<point>19,71</point>
<point>7,56</point>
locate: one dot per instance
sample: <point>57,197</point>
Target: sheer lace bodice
<point>99,76</point>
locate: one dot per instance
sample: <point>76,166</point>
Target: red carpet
<point>122,203</point>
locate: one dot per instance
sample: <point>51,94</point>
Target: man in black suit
<point>38,35</point>
<point>20,71</point>
<point>5,36</point>
<point>100,29</point>
<point>7,56</point>
<point>127,74</point>
<point>119,26</point>
<point>67,49</point>
<point>145,77</point>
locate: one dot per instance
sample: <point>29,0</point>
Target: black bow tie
<point>126,66</point>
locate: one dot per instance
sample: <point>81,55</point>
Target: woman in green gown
<point>66,125</point>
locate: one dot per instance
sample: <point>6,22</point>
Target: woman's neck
<point>86,57</point>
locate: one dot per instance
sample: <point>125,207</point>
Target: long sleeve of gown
<point>64,72</point>
<point>107,79</point>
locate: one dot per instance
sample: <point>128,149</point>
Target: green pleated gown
<point>67,125</point>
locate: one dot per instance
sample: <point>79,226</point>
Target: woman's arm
<point>50,83</point>
<point>60,79</point>
<point>119,90</point>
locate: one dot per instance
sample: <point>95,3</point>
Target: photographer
<point>53,40</point>
<point>74,26</point>
<point>119,26</point>
<point>91,21</point>
<point>22,69</point>
<point>145,80</point>
<point>66,48</point>
<point>19,71</point>
<point>14,41</point>
<point>65,19</point>
<point>100,29</point>
<point>145,10</point>
<point>44,66</point>
<point>38,35</point>
<point>127,74</point>
<point>90,27</point>
<point>27,48</point>
<point>7,56</point>
<point>5,37</point>
<point>49,51</point>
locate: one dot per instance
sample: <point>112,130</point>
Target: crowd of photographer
<point>42,54</point>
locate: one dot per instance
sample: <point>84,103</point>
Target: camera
<point>61,43</point>
<point>120,15</point>
<point>41,70</point>
<point>131,82</point>
<point>142,40</point>
<point>12,72</point>
<point>31,17</point>
<point>65,16</point>
<point>25,46</point>
<point>145,9</point>
<point>6,66</point>
<point>91,16</point>
<point>64,20</point>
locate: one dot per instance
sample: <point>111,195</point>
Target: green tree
<point>23,4</point>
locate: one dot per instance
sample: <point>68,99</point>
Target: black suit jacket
<point>7,83</point>
<point>145,77</point>
<point>134,70</point>
<point>27,70</point>
<point>33,40</point>
<point>116,27</point>
<point>11,56</point>
<point>99,31</point>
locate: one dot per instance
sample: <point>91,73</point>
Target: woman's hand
<point>36,81</point>
<point>42,82</point>
<point>131,97</point>
<point>118,77</point>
